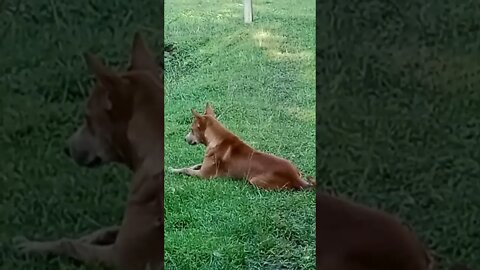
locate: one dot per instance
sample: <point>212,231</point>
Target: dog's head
<point>109,108</point>
<point>199,125</point>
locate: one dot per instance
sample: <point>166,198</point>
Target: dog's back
<point>244,162</point>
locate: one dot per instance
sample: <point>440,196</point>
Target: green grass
<point>260,78</point>
<point>43,85</point>
<point>399,115</point>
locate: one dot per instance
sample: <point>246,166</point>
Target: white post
<point>247,11</point>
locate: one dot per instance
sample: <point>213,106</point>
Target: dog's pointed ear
<point>142,58</point>
<point>198,117</point>
<point>111,81</point>
<point>104,75</point>
<point>209,110</point>
<point>196,114</point>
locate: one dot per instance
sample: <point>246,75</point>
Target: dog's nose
<point>66,151</point>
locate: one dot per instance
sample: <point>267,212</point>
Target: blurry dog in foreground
<point>124,123</point>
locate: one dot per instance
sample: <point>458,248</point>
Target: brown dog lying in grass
<point>353,237</point>
<point>124,123</point>
<point>228,156</point>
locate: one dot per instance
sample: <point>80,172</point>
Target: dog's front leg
<point>81,251</point>
<point>196,167</point>
<point>206,170</point>
<point>104,236</point>
<point>192,171</point>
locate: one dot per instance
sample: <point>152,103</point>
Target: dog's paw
<point>172,170</point>
<point>23,245</point>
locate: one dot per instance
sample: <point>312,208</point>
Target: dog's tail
<point>310,182</point>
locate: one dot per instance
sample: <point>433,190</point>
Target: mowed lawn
<point>399,115</point>
<point>43,85</point>
<point>260,79</point>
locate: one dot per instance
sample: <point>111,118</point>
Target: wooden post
<point>247,11</point>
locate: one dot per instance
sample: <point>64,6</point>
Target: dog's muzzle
<point>190,139</point>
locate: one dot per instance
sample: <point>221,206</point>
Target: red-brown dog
<point>351,236</point>
<point>124,123</point>
<point>228,156</point>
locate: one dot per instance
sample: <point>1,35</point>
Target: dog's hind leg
<point>268,182</point>
<point>273,181</point>
<point>73,248</point>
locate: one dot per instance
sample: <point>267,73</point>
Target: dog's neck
<point>215,133</point>
<point>149,146</point>
<point>145,129</point>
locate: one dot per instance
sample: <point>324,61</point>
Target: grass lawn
<point>260,78</point>
<point>399,114</point>
<point>43,85</point>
